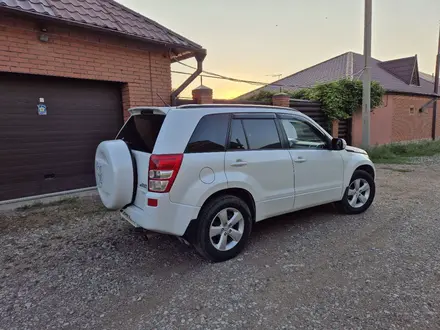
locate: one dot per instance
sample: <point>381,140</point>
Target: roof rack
<point>231,105</point>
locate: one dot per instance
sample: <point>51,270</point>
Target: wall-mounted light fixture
<point>43,36</point>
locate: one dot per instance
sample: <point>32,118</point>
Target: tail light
<point>162,172</point>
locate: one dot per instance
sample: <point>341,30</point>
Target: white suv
<point>207,173</point>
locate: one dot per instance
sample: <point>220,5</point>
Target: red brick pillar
<point>281,100</point>
<point>335,128</point>
<point>202,95</point>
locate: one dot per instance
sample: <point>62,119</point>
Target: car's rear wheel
<point>359,195</point>
<point>224,226</point>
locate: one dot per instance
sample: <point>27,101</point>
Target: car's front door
<point>256,161</point>
<point>318,169</point>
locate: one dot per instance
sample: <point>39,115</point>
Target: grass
<point>402,153</point>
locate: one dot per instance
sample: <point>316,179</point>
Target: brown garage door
<point>41,154</point>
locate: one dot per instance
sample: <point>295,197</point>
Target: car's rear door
<point>256,161</point>
<point>140,133</point>
<point>318,170</point>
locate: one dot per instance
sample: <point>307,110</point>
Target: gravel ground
<point>76,266</point>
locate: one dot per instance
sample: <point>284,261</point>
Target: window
<point>302,135</point>
<point>209,135</point>
<point>141,131</point>
<point>261,134</point>
<point>238,139</point>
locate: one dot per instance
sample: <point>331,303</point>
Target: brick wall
<point>394,121</point>
<point>143,69</point>
<point>381,120</point>
<point>410,124</point>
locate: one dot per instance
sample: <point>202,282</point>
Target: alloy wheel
<point>358,193</point>
<point>226,229</point>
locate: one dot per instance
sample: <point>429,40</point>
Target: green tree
<point>263,96</point>
<point>339,99</point>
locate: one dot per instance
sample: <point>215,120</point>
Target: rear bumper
<point>167,217</point>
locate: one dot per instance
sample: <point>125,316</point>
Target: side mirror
<point>338,144</point>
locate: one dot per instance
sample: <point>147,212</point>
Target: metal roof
<point>104,14</point>
<point>402,68</point>
<point>349,65</point>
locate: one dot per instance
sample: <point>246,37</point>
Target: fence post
<point>281,100</point>
<point>335,128</point>
<point>202,95</point>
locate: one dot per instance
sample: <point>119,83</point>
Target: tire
<point>347,205</point>
<point>210,222</point>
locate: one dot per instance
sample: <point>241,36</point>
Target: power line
<point>359,73</point>
<point>251,82</point>
<point>219,76</point>
<point>213,75</point>
<point>194,68</point>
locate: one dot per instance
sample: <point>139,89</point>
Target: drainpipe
<point>199,57</point>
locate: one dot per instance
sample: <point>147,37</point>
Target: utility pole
<point>436,78</point>
<point>366,94</point>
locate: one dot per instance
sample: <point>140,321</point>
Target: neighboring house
<point>407,89</point>
<point>69,70</point>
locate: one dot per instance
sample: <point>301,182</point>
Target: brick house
<point>69,70</point>
<point>407,90</point>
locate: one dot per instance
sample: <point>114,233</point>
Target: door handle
<point>239,163</point>
<point>299,160</point>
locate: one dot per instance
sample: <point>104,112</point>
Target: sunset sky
<point>253,39</point>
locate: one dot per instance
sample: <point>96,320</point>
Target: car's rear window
<point>141,131</point>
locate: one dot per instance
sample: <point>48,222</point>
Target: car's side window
<point>238,139</point>
<point>261,134</point>
<point>209,134</point>
<point>302,135</point>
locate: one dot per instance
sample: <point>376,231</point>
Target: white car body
<point>279,181</point>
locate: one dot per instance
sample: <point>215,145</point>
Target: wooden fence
<point>313,110</point>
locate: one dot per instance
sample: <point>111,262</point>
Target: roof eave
<point>180,55</point>
<point>43,17</point>
<point>390,91</point>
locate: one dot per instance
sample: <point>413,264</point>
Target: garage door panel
<point>40,170</point>
<point>28,188</point>
<point>47,159</point>
<point>33,146</point>
<point>69,183</point>
<point>50,119</point>
<point>38,187</point>
<point>48,136</point>
<point>53,152</point>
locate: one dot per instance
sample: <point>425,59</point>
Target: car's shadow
<point>168,250</point>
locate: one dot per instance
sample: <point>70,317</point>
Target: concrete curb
<point>12,204</point>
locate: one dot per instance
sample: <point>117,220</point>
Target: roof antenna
<point>162,100</point>
<point>278,78</point>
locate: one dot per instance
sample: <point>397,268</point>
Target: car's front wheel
<point>359,195</point>
<point>224,226</point>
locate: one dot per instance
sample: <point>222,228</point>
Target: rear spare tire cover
<point>114,174</point>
